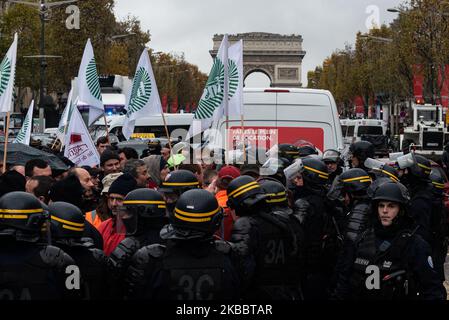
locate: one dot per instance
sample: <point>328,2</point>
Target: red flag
<point>164,103</point>
<point>187,107</point>
<point>418,79</point>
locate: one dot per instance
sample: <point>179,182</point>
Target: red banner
<point>187,109</point>
<point>174,108</point>
<point>418,80</point>
<point>164,103</point>
<point>443,84</point>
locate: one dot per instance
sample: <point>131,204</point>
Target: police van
<point>284,115</point>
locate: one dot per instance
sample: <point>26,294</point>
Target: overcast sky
<point>188,25</point>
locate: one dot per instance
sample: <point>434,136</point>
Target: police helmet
<point>421,168</point>
<point>67,220</point>
<point>437,180</point>
<point>244,191</point>
<point>275,191</point>
<point>197,210</point>
<point>331,155</point>
<point>288,151</point>
<point>22,212</point>
<point>305,151</point>
<point>315,173</point>
<point>355,181</point>
<point>179,181</point>
<point>141,206</point>
<point>386,171</point>
<point>392,191</point>
<point>362,150</point>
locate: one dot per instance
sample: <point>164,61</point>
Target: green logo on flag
<point>141,92</point>
<point>21,136</point>
<point>5,74</point>
<point>233,77</point>
<point>92,80</point>
<point>213,92</point>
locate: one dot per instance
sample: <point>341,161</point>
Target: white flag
<point>235,67</point>
<point>7,77</point>
<point>79,147</point>
<point>213,103</point>
<point>24,135</point>
<point>89,92</point>
<point>66,114</point>
<point>144,99</point>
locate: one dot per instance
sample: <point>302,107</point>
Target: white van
<point>286,116</point>
<point>178,125</point>
<point>348,129</point>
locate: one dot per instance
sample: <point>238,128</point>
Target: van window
<point>350,131</point>
<point>343,130</point>
<point>369,130</point>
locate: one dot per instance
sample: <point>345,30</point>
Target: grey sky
<point>188,25</point>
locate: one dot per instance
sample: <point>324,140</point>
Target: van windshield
<point>350,131</point>
<point>427,115</point>
<point>377,130</point>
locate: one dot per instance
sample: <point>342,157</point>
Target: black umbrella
<point>19,154</point>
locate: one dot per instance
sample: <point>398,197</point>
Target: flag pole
<point>106,125</point>
<point>5,149</point>
<point>242,121</point>
<point>168,138</point>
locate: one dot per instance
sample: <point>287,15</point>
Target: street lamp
<point>43,14</point>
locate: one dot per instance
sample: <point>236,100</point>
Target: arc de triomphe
<point>278,56</point>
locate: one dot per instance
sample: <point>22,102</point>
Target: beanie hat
<point>108,155</point>
<point>123,185</point>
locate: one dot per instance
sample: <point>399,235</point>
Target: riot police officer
<point>438,223</point>
<point>319,228</point>
<point>192,266</point>
<point>266,244</point>
<point>177,183</point>
<point>416,179</point>
<point>29,270</point>
<point>360,151</point>
<point>393,248</point>
<point>67,228</point>
<point>333,162</point>
<point>351,188</point>
<point>143,214</point>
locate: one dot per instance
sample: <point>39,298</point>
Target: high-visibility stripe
<point>13,216</point>
<point>424,166</point>
<point>276,200</point>
<point>291,152</point>
<point>179,184</point>
<point>356,178</point>
<point>246,190</point>
<point>192,220</point>
<point>143,202</point>
<point>242,187</point>
<point>392,176</point>
<point>70,223</point>
<point>438,185</point>
<point>317,171</point>
<point>195,215</point>
<point>366,180</point>
<point>21,211</point>
<point>162,207</point>
<point>72,228</point>
<point>276,194</point>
